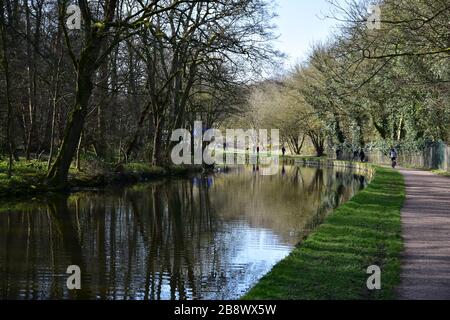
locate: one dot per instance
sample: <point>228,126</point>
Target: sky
<point>301,23</point>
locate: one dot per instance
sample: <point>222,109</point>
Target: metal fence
<point>435,156</point>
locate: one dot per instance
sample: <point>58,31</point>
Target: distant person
<point>393,156</point>
<point>257,150</point>
<point>355,155</point>
<point>224,146</point>
<point>283,150</point>
<point>362,156</point>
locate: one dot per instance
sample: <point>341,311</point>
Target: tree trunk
<point>319,150</point>
<point>86,65</point>
<point>32,57</point>
<point>318,142</point>
<point>57,175</point>
<point>296,143</point>
<point>131,145</point>
<point>5,65</point>
<point>56,79</point>
<point>157,139</point>
<point>78,162</point>
<point>100,142</point>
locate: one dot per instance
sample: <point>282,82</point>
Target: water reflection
<point>205,238</point>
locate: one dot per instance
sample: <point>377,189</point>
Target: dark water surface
<point>208,237</point>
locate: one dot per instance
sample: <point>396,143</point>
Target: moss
<point>332,262</point>
<point>99,25</point>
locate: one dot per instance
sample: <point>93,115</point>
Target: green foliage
<point>375,88</point>
<point>441,173</point>
<point>26,179</point>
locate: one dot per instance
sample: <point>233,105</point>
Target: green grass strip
<point>332,262</point>
<point>441,172</point>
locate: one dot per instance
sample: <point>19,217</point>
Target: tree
<point>5,65</point>
<point>98,27</point>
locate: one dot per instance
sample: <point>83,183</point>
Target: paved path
<point>426,233</point>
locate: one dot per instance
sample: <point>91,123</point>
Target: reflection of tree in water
<point>69,233</point>
<point>336,191</point>
<point>127,247</point>
<point>38,260</point>
<point>282,203</point>
<point>174,240</point>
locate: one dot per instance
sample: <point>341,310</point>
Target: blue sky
<point>300,24</point>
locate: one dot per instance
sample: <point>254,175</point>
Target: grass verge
<point>441,173</point>
<point>332,262</point>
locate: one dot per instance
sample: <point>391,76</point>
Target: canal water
<point>206,237</point>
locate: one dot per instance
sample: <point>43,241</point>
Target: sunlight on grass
<point>441,173</point>
<point>332,262</point>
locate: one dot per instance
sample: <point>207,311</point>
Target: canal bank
<point>29,177</point>
<point>332,262</point>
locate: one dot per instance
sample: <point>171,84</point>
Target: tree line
<point>133,72</point>
<point>367,87</point>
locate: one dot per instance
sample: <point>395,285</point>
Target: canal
<point>205,237</point>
